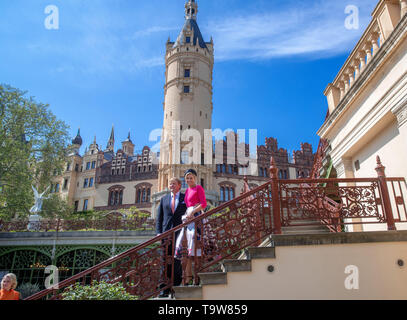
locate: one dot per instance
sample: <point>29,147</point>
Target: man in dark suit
<point>170,211</point>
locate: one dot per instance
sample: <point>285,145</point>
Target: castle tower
<point>128,146</point>
<point>187,98</point>
<point>110,143</point>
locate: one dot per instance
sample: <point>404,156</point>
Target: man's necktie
<point>173,204</point>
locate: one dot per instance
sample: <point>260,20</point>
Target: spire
<point>78,138</point>
<point>190,33</point>
<point>128,138</point>
<point>110,143</point>
<point>191,9</point>
<point>112,133</point>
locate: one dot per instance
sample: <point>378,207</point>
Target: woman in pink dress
<point>195,201</point>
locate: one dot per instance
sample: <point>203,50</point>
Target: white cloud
<point>318,29</point>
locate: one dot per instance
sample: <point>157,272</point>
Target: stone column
<point>361,56</point>
<point>400,113</point>
<point>368,50</point>
<point>356,68</point>
<point>346,81</point>
<point>342,89</point>
<point>351,76</point>
<point>374,43</point>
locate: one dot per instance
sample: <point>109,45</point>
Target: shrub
<point>98,291</point>
<point>27,289</point>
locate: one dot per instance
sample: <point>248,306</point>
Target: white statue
<point>35,219</point>
<point>39,198</point>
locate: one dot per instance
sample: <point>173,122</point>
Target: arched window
<point>224,168</point>
<point>115,195</point>
<point>226,194</point>
<point>232,193</point>
<point>143,192</point>
<point>222,194</point>
<point>261,172</point>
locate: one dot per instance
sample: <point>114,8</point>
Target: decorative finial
<point>191,9</point>
<point>380,167</point>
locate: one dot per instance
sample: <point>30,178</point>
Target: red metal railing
<point>243,222</point>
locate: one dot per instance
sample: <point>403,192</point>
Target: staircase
<point>221,278</point>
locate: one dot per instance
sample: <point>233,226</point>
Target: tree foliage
<point>33,144</point>
<point>98,291</point>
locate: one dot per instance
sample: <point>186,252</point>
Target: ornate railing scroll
<point>300,202</point>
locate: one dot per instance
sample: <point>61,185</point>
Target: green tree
<point>33,145</point>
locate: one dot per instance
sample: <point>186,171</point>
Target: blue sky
<point>105,63</point>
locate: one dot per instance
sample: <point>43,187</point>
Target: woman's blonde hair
<point>13,279</point>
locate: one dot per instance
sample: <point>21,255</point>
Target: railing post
<point>388,212</point>
<point>275,197</point>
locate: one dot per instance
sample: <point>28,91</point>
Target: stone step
<point>236,265</point>
<point>213,278</point>
<point>188,292</point>
<point>260,253</point>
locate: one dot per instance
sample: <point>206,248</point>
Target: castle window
<point>65,184</point>
<point>123,170</point>
<point>85,205</point>
<point>68,166</point>
<point>222,194</point>
<point>76,206</point>
<point>85,183</point>
<point>57,187</point>
<point>90,182</point>
<point>187,73</point>
<point>188,39</point>
<point>93,164</point>
<point>87,165</point>
<point>186,89</point>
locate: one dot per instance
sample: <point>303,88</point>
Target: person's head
<point>9,281</point>
<point>175,185</point>
<point>190,178</point>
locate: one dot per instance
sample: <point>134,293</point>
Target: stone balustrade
<point>386,16</point>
